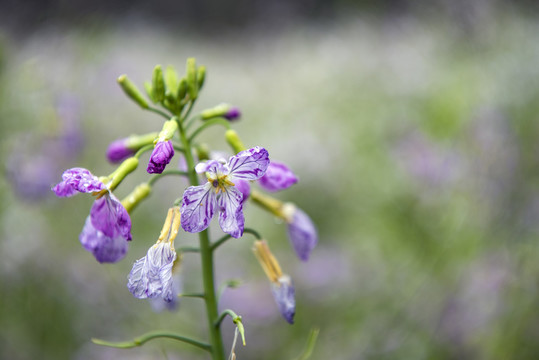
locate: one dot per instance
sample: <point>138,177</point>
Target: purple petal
<point>161,155</point>
<point>277,177</point>
<point>104,248</point>
<point>232,114</point>
<point>118,151</point>
<point>302,233</point>
<point>249,164</point>
<point>198,206</point>
<point>212,166</point>
<point>244,187</point>
<point>110,217</point>
<point>231,211</point>
<point>283,293</point>
<point>77,179</point>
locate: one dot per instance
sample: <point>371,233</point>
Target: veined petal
<point>110,217</point>
<point>244,187</point>
<point>105,249</point>
<point>249,164</point>
<point>301,231</point>
<point>160,157</point>
<point>198,206</point>
<point>277,177</point>
<point>231,211</point>
<point>77,179</point>
<point>212,166</point>
<point>137,282</point>
<point>284,295</point>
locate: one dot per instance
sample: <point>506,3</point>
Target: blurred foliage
<point>417,148</point>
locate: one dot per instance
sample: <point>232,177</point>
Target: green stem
<point>157,111</point>
<point>152,335</point>
<point>207,124</point>
<point>222,240</point>
<point>206,256</point>
<point>195,295</point>
<point>143,149</point>
<point>226,312</point>
<point>188,249</point>
<point>166,173</point>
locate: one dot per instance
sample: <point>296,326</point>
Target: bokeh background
<point>413,127</point>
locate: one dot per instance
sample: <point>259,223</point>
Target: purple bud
<point>277,177</point>
<point>232,114</point>
<point>283,293</point>
<point>301,231</point>
<point>118,151</point>
<point>161,156</point>
<point>104,248</point>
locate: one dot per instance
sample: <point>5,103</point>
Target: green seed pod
<point>149,91</point>
<point>158,84</point>
<point>191,75</point>
<point>126,167</point>
<point>132,91</point>
<point>136,196</point>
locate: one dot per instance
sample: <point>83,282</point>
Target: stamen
<point>166,225</point>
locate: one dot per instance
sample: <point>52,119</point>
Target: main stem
<point>206,256</point>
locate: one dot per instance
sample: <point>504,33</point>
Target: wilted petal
<point>110,217</point>
<point>301,232</point>
<point>151,276</point>
<point>105,249</point>
<point>118,151</point>
<point>230,211</point>
<point>249,164</point>
<point>161,156</point>
<point>283,292</point>
<point>198,206</point>
<point>277,177</point>
<point>77,179</point>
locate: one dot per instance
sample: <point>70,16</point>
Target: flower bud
<point>191,76</point>
<point>121,149</point>
<point>223,110</point>
<point>182,89</point>
<point>201,76</point>
<point>171,80</point>
<point>233,139</point>
<point>132,91</point>
<point>161,156</point>
<point>167,132</point>
<point>149,91</point>
<point>158,84</point>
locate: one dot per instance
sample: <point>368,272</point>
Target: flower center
<point>220,183</point>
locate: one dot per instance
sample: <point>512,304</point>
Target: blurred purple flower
<point>277,177</point>
<point>199,202</point>
<point>301,231</point>
<point>161,156</point>
<point>284,295</point>
<point>232,114</point>
<point>105,249</point>
<point>118,151</point>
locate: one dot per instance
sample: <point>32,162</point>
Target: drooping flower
<point>151,276</point>
<point>301,230</point>
<point>277,177</point>
<point>220,192</point>
<point>281,285</point>
<point>161,156</point>
<point>108,228</point>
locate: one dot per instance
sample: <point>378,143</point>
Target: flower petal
<point>249,164</point>
<point>244,187</point>
<point>198,206</point>
<point>277,177</point>
<point>77,179</point>
<point>109,216</point>
<point>283,293</point>
<point>301,232</point>
<point>231,211</point>
<point>213,166</point>
<point>118,151</point>
<point>104,248</point>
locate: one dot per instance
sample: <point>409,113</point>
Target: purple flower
<point>233,113</point>
<point>200,202</point>
<point>284,295</point>
<point>301,231</point>
<point>105,249</point>
<point>161,156</point>
<point>108,228</point>
<point>119,151</point>
<point>277,177</point>
<point>151,276</point>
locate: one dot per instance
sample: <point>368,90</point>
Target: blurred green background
<point>414,130</point>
